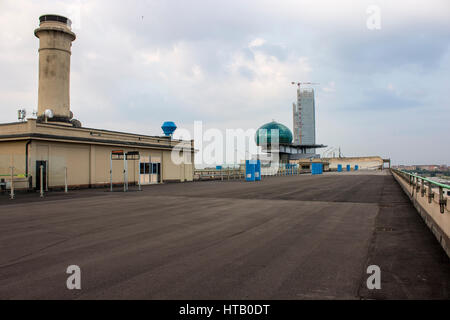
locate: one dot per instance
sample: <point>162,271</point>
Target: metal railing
<point>425,185</point>
<point>13,177</point>
<point>236,173</point>
<point>285,172</point>
<point>224,174</point>
<point>26,178</point>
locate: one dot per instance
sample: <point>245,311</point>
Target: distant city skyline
<point>230,64</point>
<point>423,166</point>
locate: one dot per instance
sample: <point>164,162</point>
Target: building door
<point>157,172</point>
<point>145,168</point>
<point>150,170</point>
<point>38,174</point>
<point>154,172</point>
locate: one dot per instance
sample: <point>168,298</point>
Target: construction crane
<point>298,107</point>
<point>300,83</point>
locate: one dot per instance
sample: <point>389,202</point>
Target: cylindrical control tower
<point>55,42</point>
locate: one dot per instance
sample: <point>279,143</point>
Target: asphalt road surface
<point>295,237</point>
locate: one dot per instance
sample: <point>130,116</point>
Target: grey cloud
<point>112,85</point>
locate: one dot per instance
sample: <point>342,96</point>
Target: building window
<point>145,167</point>
<point>150,168</point>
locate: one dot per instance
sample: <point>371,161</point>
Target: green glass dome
<point>285,135</point>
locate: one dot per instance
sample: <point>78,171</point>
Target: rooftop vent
<point>168,128</point>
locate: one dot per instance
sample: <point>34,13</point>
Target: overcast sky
<point>230,63</point>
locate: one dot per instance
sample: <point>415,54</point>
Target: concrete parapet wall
<point>364,163</point>
<point>439,223</point>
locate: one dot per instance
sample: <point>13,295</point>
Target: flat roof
<point>309,146</point>
<point>32,129</point>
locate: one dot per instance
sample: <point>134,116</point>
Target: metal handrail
<point>446,186</point>
<point>414,182</point>
<point>16,175</point>
<point>234,173</point>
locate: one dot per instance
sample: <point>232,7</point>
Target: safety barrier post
<point>124,173</point>
<point>65,179</point>
<point>41,176</point>
<point>110,174</point>
<point>12,183</point>
<point>139,176</point>
<point>442,201</point>
<point>430,193</point>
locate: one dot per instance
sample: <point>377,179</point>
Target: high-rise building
<point>304,119</point>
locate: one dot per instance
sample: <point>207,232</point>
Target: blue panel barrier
<point>339,168</point>
<point>258,170</point>
<point>316,168</point>
<point>250,170</point>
